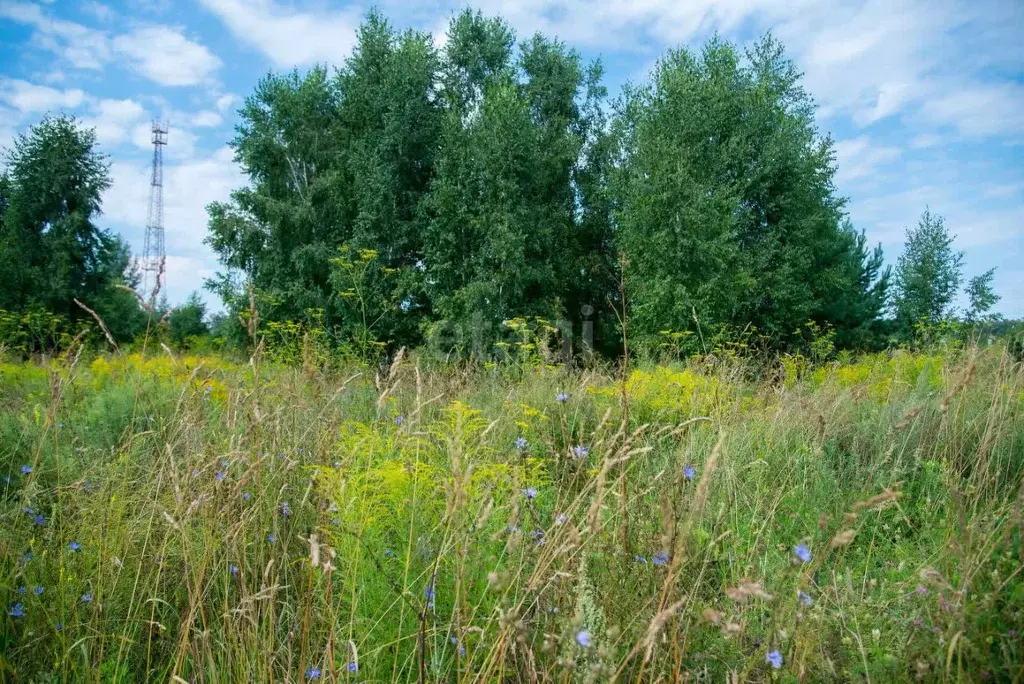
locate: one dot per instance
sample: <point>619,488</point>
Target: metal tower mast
<point>154,258</point>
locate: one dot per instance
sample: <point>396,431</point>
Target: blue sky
<point>925,100</point>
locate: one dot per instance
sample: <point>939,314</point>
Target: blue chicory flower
<point>660,558</point>
<point>16,611</point>
<point>803,553</point>
<point>804,598</point>
<point>86,598</point>
<point>38,591</point>
<point>530,493</point>
<point>583,638</point>
<point>74,546</point>
<point>580,451</point>
<point>521,443</point>
<point>774,658</point>
<point>25,469</point>
<point>561,397</point>
<point>313,673</point>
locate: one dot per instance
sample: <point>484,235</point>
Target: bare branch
<point>103,327</point>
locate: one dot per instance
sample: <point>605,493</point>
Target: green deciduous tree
<point>507,234</point>
<point>333,161</point>
<point>725,203</point>
<point>491,182</point>
<point>981,297</point>
<point>188,321</point>
<point>927,275</point>
<point>51,249</point>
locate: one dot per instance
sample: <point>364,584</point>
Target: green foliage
<point>726,207</point>
<point>370,312</point>
<point>29,331</point>
<point>505,238</point>
<point>51,250</point>
<point>186,322</point>
<point>980,296</point>
<point>484,198</point>
<point>927,275</point>
<point>333,161</point>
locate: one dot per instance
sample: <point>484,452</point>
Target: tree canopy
<point>927,275</point>
<point>727,212</point>
<point>50,247</point>
<point>418,193</point>
<point>493,180</point>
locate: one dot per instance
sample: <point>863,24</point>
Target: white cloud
<point>7,129</point>
<point>82,47</point>
<point>113,120</point>
<point>188,187</point>
<point>160,53</point>
<point>206,119</point>
<point>55,76</point>
<point>925,140</point>
<point>864,61</point>
<point>163,55</point>
<point>98,10</point>
<point>185,275</point>
<point>225,101</point>
<point>887,216</point>
<point>29,98</point>
<point>859,158</point>
<point>981,110</point>
<point>1004,191</point>
<point>289,37</point>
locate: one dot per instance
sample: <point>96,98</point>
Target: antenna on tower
<point>154,257</point>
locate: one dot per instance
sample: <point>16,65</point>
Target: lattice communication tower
<point>154,257</point>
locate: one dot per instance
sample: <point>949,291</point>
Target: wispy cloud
<point>165,56</point>
<point>860,158</point>
<point>79,46</point>
<point>29,98</point>
<point>287,36</point>
<point>160,53</point>
<point>980,110</point>
<point>113,120</point>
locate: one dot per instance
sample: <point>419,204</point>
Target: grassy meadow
<point>198,519</point>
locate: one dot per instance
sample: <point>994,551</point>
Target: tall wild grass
<point>200,520</point>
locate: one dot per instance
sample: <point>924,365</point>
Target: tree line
<point>417,193</point>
